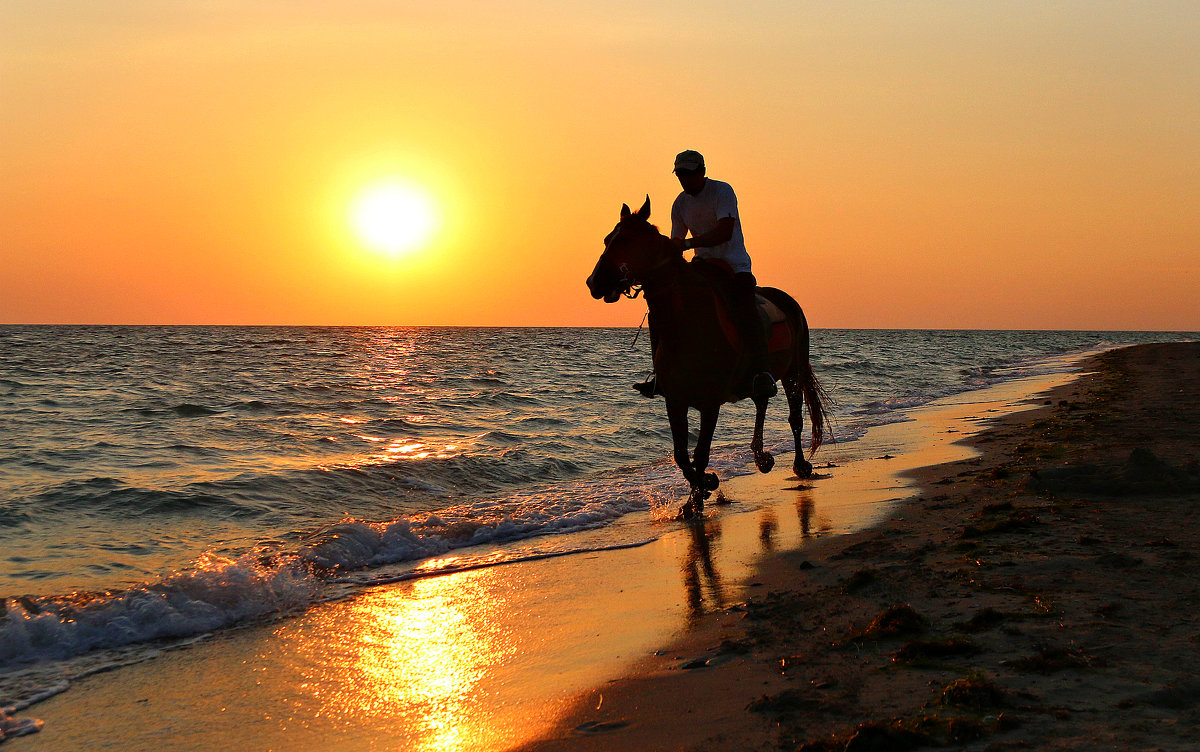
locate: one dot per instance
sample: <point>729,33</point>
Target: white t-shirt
<point>700,213</point>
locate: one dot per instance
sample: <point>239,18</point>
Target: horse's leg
<point>795,397</point>
<point>705,483</point>
<point>678,418</point>
<point>762,458</point>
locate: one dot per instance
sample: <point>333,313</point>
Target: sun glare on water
<point>394,218</point>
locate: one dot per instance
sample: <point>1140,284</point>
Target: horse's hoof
<point>765,462</point>
<point>802,468</point>
<point>710,482</point>
<point>691,511</point>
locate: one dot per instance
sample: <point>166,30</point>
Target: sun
<point>394,217</point>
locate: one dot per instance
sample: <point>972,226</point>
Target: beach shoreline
<point>724,597</point>
<point>1027,598</point>
<point>450,661</point>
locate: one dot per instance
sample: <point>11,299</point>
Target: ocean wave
<point>221,591</point>
<point>217,593</point>
<point>99,496</point>
<point>486,381</point>
<point>198,451</point>
<point>190,410</point>
<point>883,407</point>
<point>508,399</point>
<point>542,421</point>
<point>253,406</point>
<point>510,463</point>
<point>13,518</point>
<point>853,365</point>
<point>181,410</point>
<point>501,438</point>
<point>408,427</point>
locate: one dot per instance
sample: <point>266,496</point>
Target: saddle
<point>719,276</point>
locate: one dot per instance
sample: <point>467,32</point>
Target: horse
<point>697,360</point>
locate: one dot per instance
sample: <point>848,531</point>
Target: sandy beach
<point>1039,596</point>
<point>1018,591</point>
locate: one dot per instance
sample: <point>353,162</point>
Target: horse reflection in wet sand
<point>697,358</point>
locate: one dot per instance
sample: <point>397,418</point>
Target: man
<point>707,209</point>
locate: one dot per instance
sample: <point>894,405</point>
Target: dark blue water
<point>164,481</point>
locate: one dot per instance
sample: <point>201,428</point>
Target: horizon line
<point>581,326</point>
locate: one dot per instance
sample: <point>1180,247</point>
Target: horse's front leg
<point>702,483</point>
<point>762,458</point>
<point>678,418</point>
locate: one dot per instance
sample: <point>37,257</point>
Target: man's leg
<point>744,311</point>
<point>649,387</point>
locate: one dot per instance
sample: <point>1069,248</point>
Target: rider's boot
<point>649,387</point>
<point>763,386</point>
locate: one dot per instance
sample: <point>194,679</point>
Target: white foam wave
<point>216,593</point>
<point>354,544</point>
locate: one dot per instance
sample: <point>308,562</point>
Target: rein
<point>639,331</point>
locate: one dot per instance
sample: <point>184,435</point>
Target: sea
<point>162,483</point>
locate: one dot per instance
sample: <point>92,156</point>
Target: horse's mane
<point>643,220</point>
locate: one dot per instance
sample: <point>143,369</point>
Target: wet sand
<point>1041,595</point>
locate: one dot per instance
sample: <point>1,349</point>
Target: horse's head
<point>632,252</point>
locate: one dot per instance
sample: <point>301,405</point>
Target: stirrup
<point>763,386</point>
<point>647,388</point>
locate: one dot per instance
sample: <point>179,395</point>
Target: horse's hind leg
<point>795,397</point>
<point>762,458</point>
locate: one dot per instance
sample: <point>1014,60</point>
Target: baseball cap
<point>688,160</point>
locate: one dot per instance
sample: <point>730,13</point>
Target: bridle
<point>629,285</point>
<point>630,289</point>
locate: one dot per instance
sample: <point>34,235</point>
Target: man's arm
<point>679,229</point>
<point>716,236</point>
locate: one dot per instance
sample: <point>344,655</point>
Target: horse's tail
<point>815,397</point>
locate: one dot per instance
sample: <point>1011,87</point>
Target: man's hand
<point>716,236</point>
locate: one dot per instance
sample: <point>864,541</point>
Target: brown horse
<point>697,357</point>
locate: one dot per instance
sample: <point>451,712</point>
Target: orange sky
<point>923,164</point>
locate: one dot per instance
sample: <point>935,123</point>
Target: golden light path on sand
<point>418,656</point>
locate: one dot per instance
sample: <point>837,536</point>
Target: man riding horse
<point>700,364</point>
<point>707,209</point>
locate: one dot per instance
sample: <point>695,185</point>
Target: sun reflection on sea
<point>419,655</point>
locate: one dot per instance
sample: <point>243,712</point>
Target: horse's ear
<point>625,211</point>
<point>644,212</point>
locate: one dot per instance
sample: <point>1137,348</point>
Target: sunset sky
<point>948,164</point>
